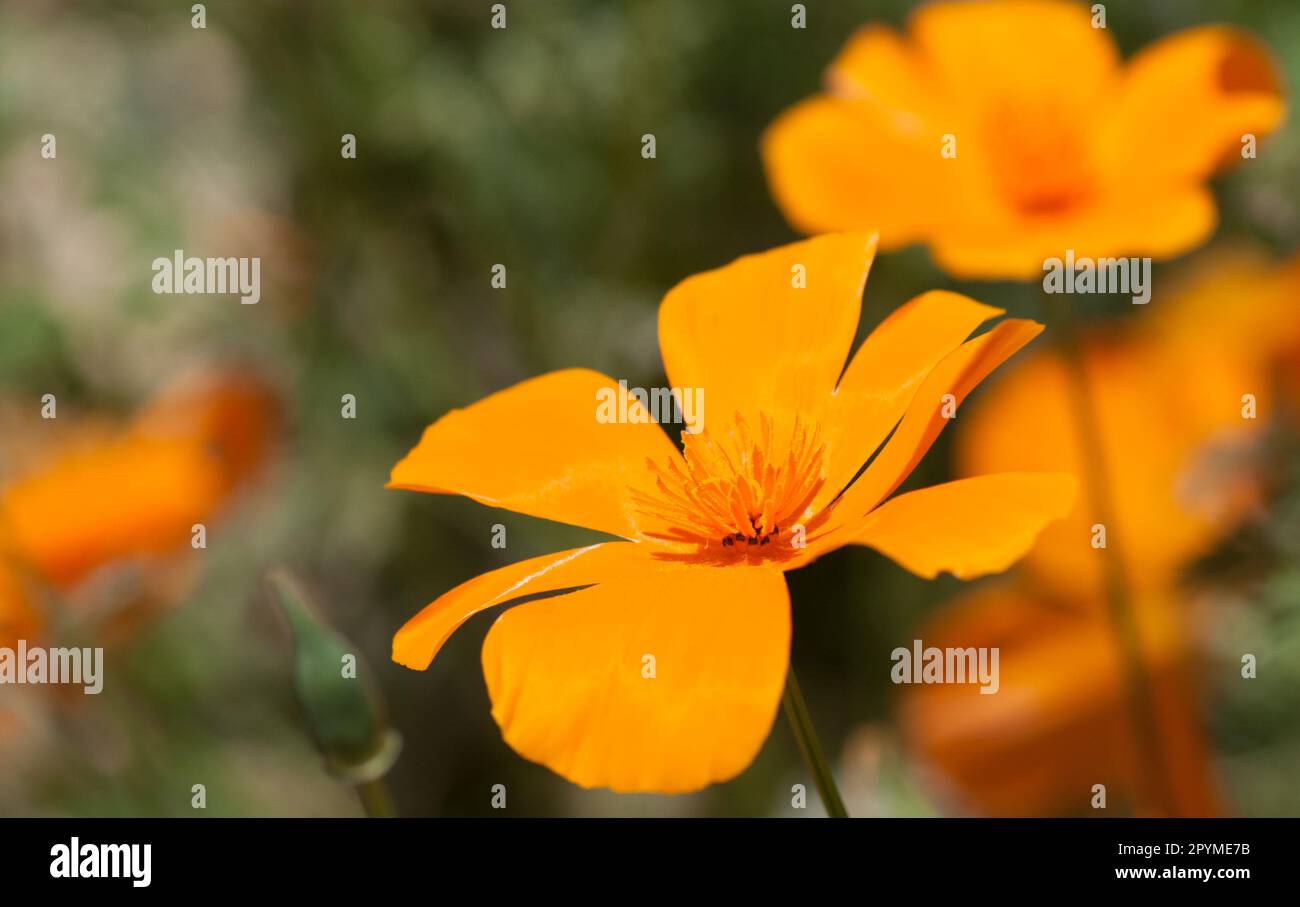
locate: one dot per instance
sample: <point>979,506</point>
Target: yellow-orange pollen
<point>738,490</point>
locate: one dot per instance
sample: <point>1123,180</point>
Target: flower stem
<point>796,711</point>
<point>1123,617</point>
<point>375,799</point>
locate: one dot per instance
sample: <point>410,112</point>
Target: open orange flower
<point>95,496</point>
<point>1184,469</point>
<point>663,671</point>
<point>1004,133</point>
<point>1062,720</point>
<point>91,496</point>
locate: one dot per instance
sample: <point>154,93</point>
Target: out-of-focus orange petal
<point>111,495</point>
<point>1240,305</point>
<point>1154,221</point>
<point>839,164</point>
<point>879,67</point>
<point>1022,81</point>
<point>235,414</point>
<point>970,527</point>
<point>665,680</point>
<point>418,641</point>
<point>538,448</point>
<point>870,153</point>
<point>136,495</point>
<point>1061,719</point>
<point>946,386</point>
<point>1187,100</point>
<point>885,373</point>
<point>754,339</point>
<point>993,53</point>
<point>1029,421</point>
<point>18,620</point>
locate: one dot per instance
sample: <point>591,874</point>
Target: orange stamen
<point>739,491</point>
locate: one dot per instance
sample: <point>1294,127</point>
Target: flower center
<point>1039,157</point>
<point>742,494</point>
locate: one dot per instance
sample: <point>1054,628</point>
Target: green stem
<point>376,800</point>
<point>1123,617</point>
<point>796,711</point>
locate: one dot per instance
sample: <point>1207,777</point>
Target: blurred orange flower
<point>93,496</point>
<point>1173,396</point>
<point>663,672</point>
<point>1005,133</point>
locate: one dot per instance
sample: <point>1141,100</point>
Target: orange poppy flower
<point>1169,395</point>
<point>138,490</point>
<point>664,670</point>
<point>94,495</point>
<point>1184,470</point>
<point>1004,133</point>
<point>1062,720</point>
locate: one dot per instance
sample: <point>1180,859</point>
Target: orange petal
<point>753,340</point>
<point>102,497</point>
<point>970,527</point>
<point>1013,49</point>
<point>1157,221</point>
<point>664,680</point>
<point>839,164</point>
<point>1061,720</point>
<point>1187,100</point>
<point>877,66</point>
<point>90,506</point>
<point>885,372</point>
<point>945,387</point>
<point>987,75</point>
<point>1180,405</point>
<point>539,449</point>
<point>17,618</point>
<point>420,638</point>
<point>868,156</point>
<point>236,414</point>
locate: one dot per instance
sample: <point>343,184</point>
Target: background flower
<point>1004,133</point>
<point>1175,379</point>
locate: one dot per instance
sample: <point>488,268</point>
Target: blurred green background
<point>474,147</point>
